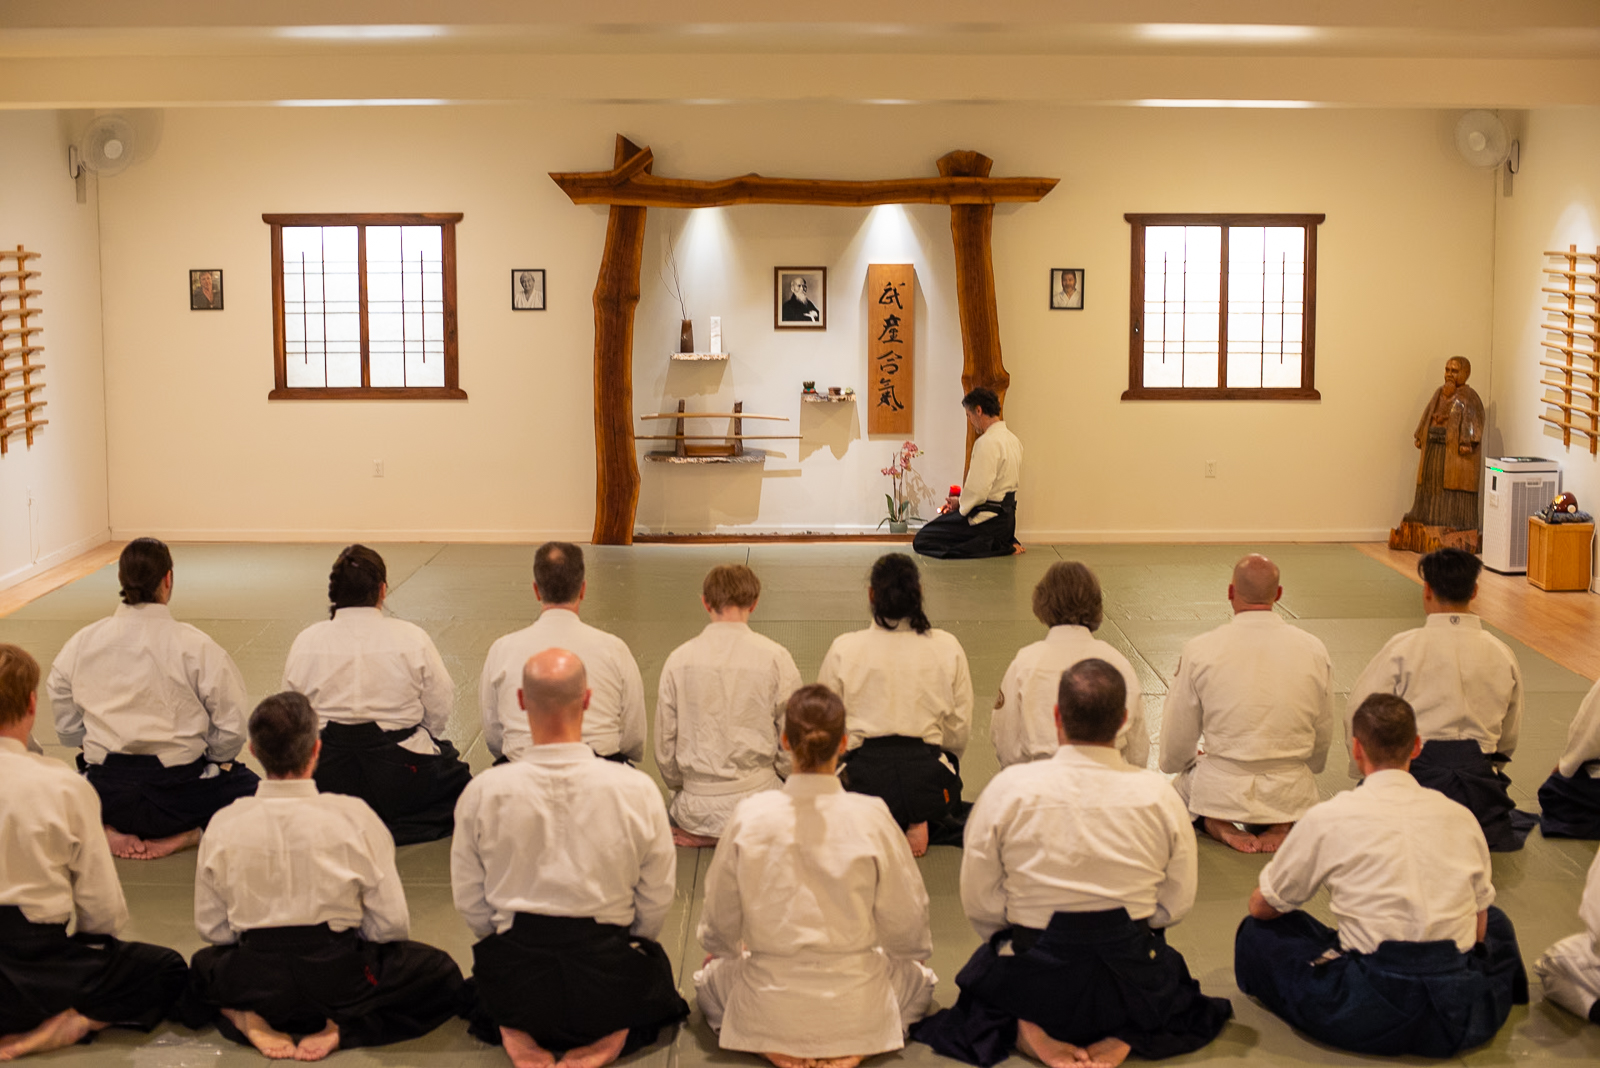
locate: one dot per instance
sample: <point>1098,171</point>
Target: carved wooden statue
<point>1450,435</point>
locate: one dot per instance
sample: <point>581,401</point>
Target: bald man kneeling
<point>563,866</point>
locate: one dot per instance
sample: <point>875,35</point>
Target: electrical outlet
<point>1211,469</point>
<point>377,469</point>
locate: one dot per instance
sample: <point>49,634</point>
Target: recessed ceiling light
<point>1225,32</point>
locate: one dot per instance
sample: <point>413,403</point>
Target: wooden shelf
<point>823,398</point>
<point>700,357</point>
<point>749,456</point>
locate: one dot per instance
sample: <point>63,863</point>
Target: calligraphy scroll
<point>891,347</point>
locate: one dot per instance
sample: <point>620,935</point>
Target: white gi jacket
<point>560,832</point>
<point>1583,737</point>
<point>293,857</point>
<point>819,886</point>
<point>1023,725</point>
<point>1461,681</point>
<point>994,471</point>
<point>55,864</point>
<point>719,715</point>
<point>1080,832</point>
<point>901,682</point>
<point>1401,862</point>
<point>615,720</point>
<point>1569,971</point>
<point>140,682</point>
<point>1261,693</point>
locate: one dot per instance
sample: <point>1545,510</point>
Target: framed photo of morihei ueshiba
<point>800,298</point>
<point>1066,289</point>
<point>527,289</point>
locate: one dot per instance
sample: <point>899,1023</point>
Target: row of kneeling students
<point>1076,860</point>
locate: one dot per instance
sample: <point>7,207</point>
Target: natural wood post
<point>738,429</point>
<point>971,227</point>
<point>616,295</point>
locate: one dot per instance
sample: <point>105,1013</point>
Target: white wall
<point>1404,282</point>
<point>53,495</point>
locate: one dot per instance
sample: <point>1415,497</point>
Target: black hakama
<point>919,782</point>
<point>299,978</point>
<point>569,981</point>
<point>1571,807</point>
<point>1465,774</point>
<point>951,537</point>
<point>141,797</point>
<point>1087,977</point>
<point>414,794</point>
<point>44,972</point>
<point>1423,998</point>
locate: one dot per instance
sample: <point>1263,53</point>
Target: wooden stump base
<point>1416,538</point>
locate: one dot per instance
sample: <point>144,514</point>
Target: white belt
<point>763,779</point>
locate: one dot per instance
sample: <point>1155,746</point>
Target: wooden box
<point>1558,554</point>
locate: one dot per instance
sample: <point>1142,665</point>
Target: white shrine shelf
<point>824,398</point>
<point>700,356</point>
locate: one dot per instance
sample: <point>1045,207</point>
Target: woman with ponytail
<point>815,915</point>
<point>383,698</point>
<point>909,694</point>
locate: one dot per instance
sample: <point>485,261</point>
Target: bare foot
<point>1231,836</point>
<point>836,1062</point>
<point>1272,838</point>
<point>61,1030</point>
<point>165,847</point>
<point>524,1051</point>
<point>1108,1052</point>
<point>783,1060</point>
<point>596,1054</point>
<point>126,846</point>
<point>1017,548</point>
<point>274,1044</point>
<point>682,837</point>
<point>317,1046</point>
<point>917,835</point>
<point>1032,1041</point>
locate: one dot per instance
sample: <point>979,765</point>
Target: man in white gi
<point>1422,962</point>
<point>719,711</point>
<point>297,893</point>
<point>1570,969</point>
<point>159,710</point>
<point>614,726</point>
<point>1074,868</point>
<point>563,867</point>
<point>982,520</point>
<point>1023,723</point>
<point>1260,694</point>
<point>56,869</point>
<point>1466,689</point>
<point>1569,800</point>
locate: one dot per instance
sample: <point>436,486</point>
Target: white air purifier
<point>1514,488</point>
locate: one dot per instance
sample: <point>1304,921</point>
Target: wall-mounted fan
<point>105,147</point>
<point>1482,140</point>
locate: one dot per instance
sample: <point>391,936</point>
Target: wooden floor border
<point>766,539</point>
<point>44,582</point>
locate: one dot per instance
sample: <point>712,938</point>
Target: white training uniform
<point>818,918</point>
<point>1583,737</point>
<point>560,832</point>
<point>55,864</point>
<point>140,682</point>
<point>1023,726</point>
<point>1460,680</point>
<point>364,667</point>
<point>1401,862</point>
<point>614,721</point>
<point>1081,832</point>
<point>719,715</point>
<point>899,682</point>
<point>1260,693</point>
<point>1570,969</point>
<point>994,471</point>
<point>293,857</point>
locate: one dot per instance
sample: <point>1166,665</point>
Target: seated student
<point>614,726</point>
<point>1074,868</point>
<point>1260,693</point>
<point>1570,969</point>
<point>1422,962</point>
<point>909,700</point>
<point>719,711</point>
<point>298,895</point>
<point>159,710</point>
<point>1569,800</point>
<point>1466,689</point>
<point>564,869</point>
<point>1023,725</point>
<point>55,868</point>
<point>814,911</point>
<point>383,697</point>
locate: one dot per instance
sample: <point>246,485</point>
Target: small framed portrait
<point>800,298</point>
<point>1066,289</point>
<point>527,289</point>
<point>205,290</point>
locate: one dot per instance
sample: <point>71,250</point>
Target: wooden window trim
<point>446,221</point>
<point>1136,388</point>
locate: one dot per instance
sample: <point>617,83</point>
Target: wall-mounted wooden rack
<point>21,370</point>
<point>727,448</point>
<point>1574,374</point>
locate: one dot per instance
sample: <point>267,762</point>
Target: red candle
<point>955,491</point>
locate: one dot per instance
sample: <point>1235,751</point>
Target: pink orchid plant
<point>898,469</point>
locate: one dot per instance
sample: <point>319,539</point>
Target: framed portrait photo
<point>1066,289</point>
<point>205,290</point>
<point>800,298</point>
<point>527,289</point>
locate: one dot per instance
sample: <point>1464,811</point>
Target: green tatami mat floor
<point>254,599</point>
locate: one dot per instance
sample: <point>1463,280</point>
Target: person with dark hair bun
<point>384,698</point>
<point>981,519</point>
<point>159,710</point>
<point>909,693</point>
<point>815,914</point>
<point>1466,688</point>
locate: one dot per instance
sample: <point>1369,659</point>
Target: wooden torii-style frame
<point>630,188</point>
